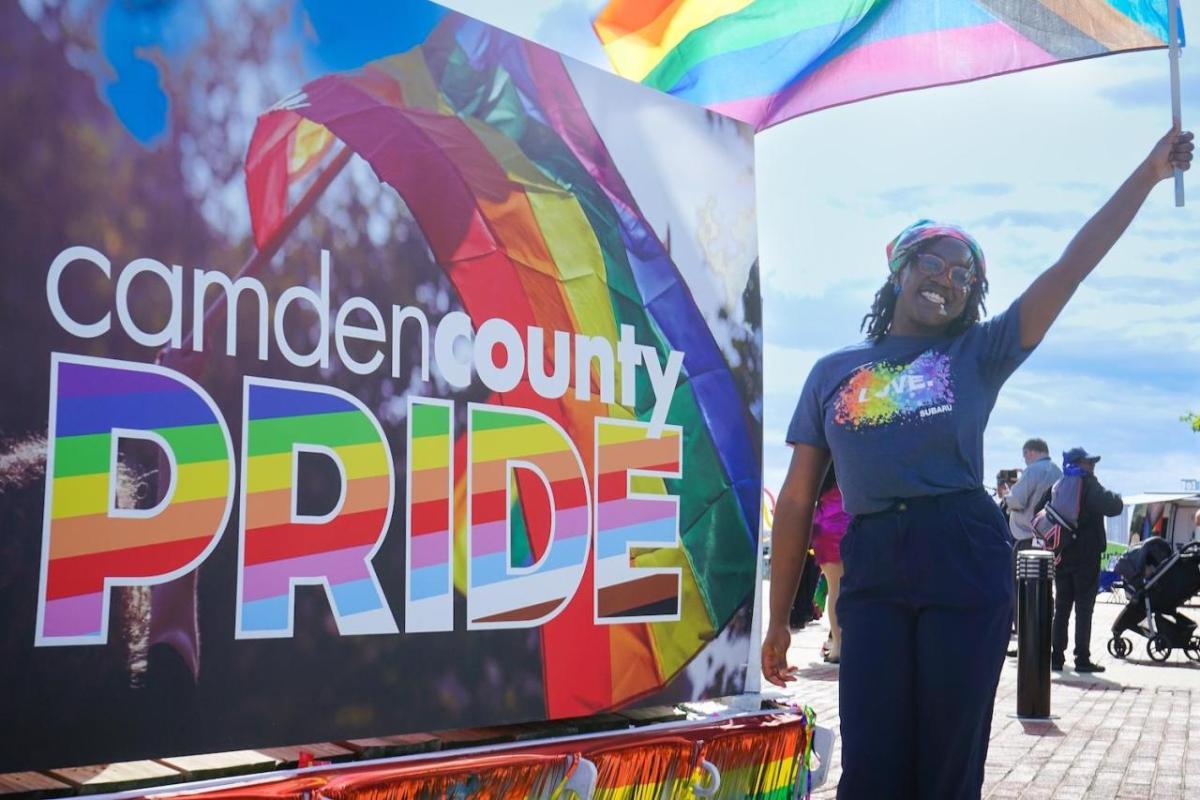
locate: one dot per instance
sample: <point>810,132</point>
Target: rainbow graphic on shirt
<point>281,548</point>
<point>89,542</point>
<point>884,392</point>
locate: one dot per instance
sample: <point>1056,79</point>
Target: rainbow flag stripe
<point>500,596</point>
<point>773,780</point>
<point>429,602</point>
<point>89,536</point>
<point>279,548</point>
<point>767,758</point>
<point>282,153</point>
<point>639,767</point>
<point>647,291</point>
<point>766,61</point>
<point>761,757</point>
<point>627,520</point>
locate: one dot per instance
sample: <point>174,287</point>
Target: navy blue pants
<point>925,609</point>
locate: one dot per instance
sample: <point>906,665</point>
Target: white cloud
<point>1129,419</point>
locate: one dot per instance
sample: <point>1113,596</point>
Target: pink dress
<point>830,521</point>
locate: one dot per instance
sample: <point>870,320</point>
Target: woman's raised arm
<point>1049,293</point>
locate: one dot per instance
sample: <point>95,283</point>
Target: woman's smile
<point>935,298</point>
<point>927,302</point>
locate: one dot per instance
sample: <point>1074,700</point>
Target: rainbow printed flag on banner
<point>529,217</point>
<point>766,61</point>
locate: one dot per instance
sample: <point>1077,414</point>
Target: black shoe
<point>1056,666</point>
<point>1088,666</point>
<point>1012,652</point>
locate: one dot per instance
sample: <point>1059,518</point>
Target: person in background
<point>1026,498</point>
<point>804,607</point>
<point>1029,493</point>
<point>1077,577</point>
<point>829,524</point>
<point>1003,487</point>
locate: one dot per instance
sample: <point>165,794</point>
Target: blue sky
<point>1021,161</point>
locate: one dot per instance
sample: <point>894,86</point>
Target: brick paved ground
<point>1133,732</point>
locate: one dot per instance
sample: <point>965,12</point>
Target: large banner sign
<point>367,370</point>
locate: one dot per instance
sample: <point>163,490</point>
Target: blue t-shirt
<point>905,417</point>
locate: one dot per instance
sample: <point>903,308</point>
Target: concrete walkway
<point>1132,732</point>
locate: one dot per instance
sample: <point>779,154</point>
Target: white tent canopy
<point>1117,528</point>
<point>1162,497</point>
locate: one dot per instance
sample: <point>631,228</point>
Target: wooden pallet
<point>33,783</point>
<point>68,781</point>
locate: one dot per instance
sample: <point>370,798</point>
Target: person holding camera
<point>1005,479</point>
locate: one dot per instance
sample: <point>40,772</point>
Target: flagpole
<point>216,309</point>
<point>1176,110</point>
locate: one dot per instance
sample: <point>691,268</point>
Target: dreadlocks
<point>878,320</point>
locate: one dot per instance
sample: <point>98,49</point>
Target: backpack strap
<point>1044,500</point>
<point>1058,518</point>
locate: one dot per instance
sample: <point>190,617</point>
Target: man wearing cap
<point>1077,577</point>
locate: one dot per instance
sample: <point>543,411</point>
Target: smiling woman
<point>927,586</point>
<point>947,284</point>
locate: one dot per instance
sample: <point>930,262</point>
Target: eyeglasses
<point>934,265</point>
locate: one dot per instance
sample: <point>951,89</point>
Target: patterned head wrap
<point>923,230</point>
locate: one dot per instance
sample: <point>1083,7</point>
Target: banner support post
<point>1176,111</point>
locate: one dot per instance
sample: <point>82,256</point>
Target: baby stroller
<point>1157,582</point>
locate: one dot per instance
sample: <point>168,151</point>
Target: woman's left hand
<point>774,655</point>
<point>1173,151</point>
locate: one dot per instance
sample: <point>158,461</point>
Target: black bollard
<point>1035,573</point>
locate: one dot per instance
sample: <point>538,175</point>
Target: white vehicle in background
<point>1171,515</point>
